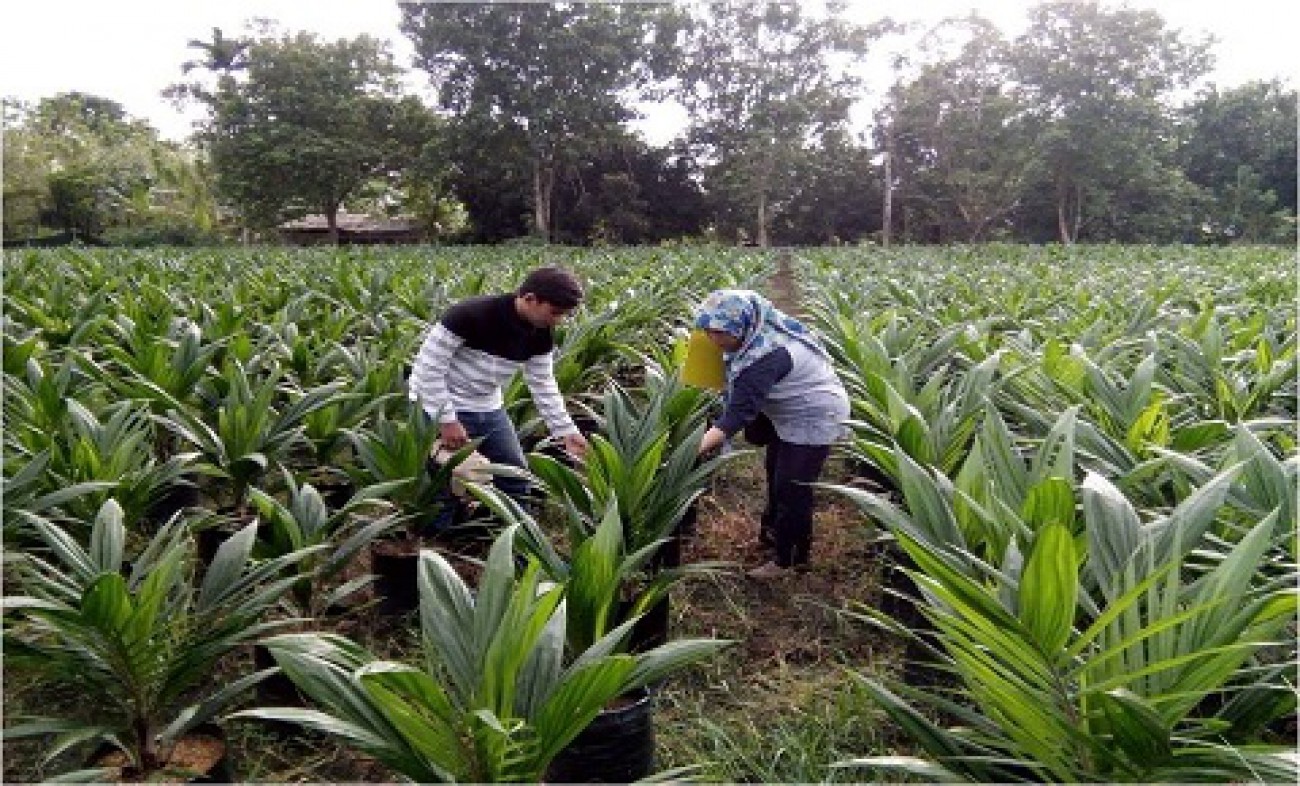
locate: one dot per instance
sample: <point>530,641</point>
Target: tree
<point>1240,145</point>
<point>557,75</point>
<point>76,162</point>
<point>26,169</point>
<point>834,197</point>
<point>1100,83</point>
<point>489,174</point>
<point>760,89</point>
<point>631,193</point>
<point>222,56</point>
<point>958,135</point>
<point>310,124</point>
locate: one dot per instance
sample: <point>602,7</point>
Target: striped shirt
<point>477,346</point>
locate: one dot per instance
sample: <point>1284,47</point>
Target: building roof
<point>351,222</point>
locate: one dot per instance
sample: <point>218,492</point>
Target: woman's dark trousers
<point>787,520</point>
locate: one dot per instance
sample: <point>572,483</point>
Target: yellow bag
<point>704,367</point>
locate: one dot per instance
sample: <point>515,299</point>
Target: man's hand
<point>713,439</point>
<point>454,436</point>
<point>576,445</point>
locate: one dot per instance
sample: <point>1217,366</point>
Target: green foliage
<point>646,460</point>
<point>336,105</point>
<point>303,520</point>
<point>254,427</point>
<point>498,699</point>
<point>138,637</point>
<point>1079,669</point>
<point>759,84</point>
<point>77,162</point>
<point>551,76</point>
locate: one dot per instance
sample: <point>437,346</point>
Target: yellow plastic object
<point>704,366</point>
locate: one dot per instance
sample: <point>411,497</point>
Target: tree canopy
<point>1092,125</point>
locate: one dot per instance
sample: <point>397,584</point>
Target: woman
<point>780,380</point>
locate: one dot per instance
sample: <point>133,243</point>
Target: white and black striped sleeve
<point>429,375</point>
<point>539,374</point>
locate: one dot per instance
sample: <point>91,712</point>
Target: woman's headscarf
<point>759,325</point>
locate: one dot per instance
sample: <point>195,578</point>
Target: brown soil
<point>193,755</point>
<point>782,288</point>
<point>785,619</point>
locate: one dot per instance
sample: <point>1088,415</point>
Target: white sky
<point>129,50</point>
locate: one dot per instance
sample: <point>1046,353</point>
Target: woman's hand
<point>713,439</point>
<point>576,445</point>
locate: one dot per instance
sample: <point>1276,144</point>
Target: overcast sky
<point>129,50</point>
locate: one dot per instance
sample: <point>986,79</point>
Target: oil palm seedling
<point>255,427</point>
<point>149,355</point>
<point>19,347</point>
<point>1233,385</point>
<point>36,402</point>
<point>66,312</point>
<point>375,386</point>
<point>606,584</point>
<point>27,493</point>
<point>882,365</point>
<point>1088,657</point>
<point>303,520</point>
<point>496,699</point>
<point>392,451</point>
<point>142,637</point>
<point>115,449</point>
<point>646,459</point>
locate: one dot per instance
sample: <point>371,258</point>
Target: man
<point>475,348</point>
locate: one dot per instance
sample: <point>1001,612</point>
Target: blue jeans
<point>500,445</point>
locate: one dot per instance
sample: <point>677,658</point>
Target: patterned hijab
<point>758,324</point>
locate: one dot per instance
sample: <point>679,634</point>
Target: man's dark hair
<point>554,285</point>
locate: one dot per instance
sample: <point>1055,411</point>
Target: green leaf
<point>1114,532</point>
<point>1049,586</point>
<point>227,566</point>
<point>1136,728</point>
<point>106,604</point>
<point>108,538</point>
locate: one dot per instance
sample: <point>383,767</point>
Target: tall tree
<point>560,74</point>
<point>633,193</point>
<point>222,57</point>
<point>835,196</point>
<point>957,132</point>
<point>760,89</point>
<point>76,162</point>
<point>310,124</point>
<point>1102,84</point>
<point>1240,144</point>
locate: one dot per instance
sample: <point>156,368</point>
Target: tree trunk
<point>887,211</point>
<point>543,190</point>
<point>1069,209</point>
<point>332,221</point>
<point>147,746</point>
<point>762,220</point>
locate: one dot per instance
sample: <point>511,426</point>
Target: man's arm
<point>539,374</point>
<point>428,383</point>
